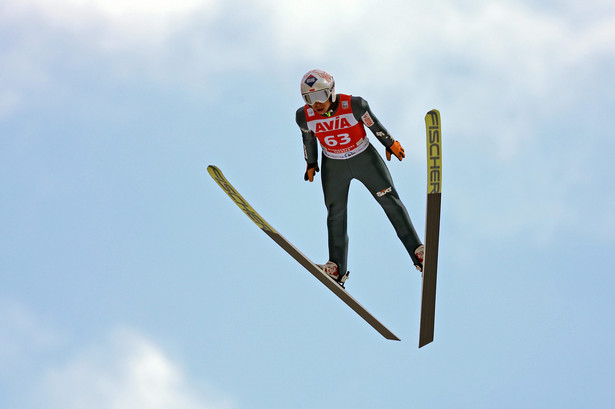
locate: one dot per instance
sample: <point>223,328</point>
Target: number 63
<point>334,140</point>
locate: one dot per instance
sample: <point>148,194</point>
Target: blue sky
<point>129,280</point>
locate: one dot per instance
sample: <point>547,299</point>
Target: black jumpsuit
<point>369,168</point>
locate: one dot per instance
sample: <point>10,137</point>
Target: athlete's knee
<point>337,216</point>
<point>388,198</point>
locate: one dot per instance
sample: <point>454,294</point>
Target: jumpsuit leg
<point>370,169</point>
<point>336,179</point>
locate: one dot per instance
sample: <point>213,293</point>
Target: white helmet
<point>317,86</point>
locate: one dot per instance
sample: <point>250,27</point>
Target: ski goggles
<point>313,97</point>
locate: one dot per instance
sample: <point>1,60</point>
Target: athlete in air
<point>337,122</point>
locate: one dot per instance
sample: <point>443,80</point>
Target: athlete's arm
<point>310,145</point>
<point>363,113</point>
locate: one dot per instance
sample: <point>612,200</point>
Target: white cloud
<point>64,11</point>
<point>423,48</point>
<point>126,372</point>
<point>113,23</point>
<point>23,337</point>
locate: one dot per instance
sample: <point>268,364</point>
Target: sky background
<point>129,280</point>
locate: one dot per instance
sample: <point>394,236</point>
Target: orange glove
<point>396,150</point>
<point>311,170</point>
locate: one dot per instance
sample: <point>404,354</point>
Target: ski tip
<point>213,171</point>
<point>432,118</point>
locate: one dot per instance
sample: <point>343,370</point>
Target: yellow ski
<point>432,226</point>
<point>331,284</point>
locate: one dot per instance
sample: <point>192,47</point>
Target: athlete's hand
<point>311,170</point>
<point>396,150</point>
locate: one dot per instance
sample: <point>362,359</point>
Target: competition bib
<point>341,135</point>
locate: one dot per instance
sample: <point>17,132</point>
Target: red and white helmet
<point>317,86</point>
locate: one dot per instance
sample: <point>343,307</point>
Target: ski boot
<point>331,269</point>
<point>419,257</point>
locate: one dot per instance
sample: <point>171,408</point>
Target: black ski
<point>331,284</point>
<point>432,226</point>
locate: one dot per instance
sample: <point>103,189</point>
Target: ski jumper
<point>346,155</point>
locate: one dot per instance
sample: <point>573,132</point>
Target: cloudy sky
<point>130,281</point>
